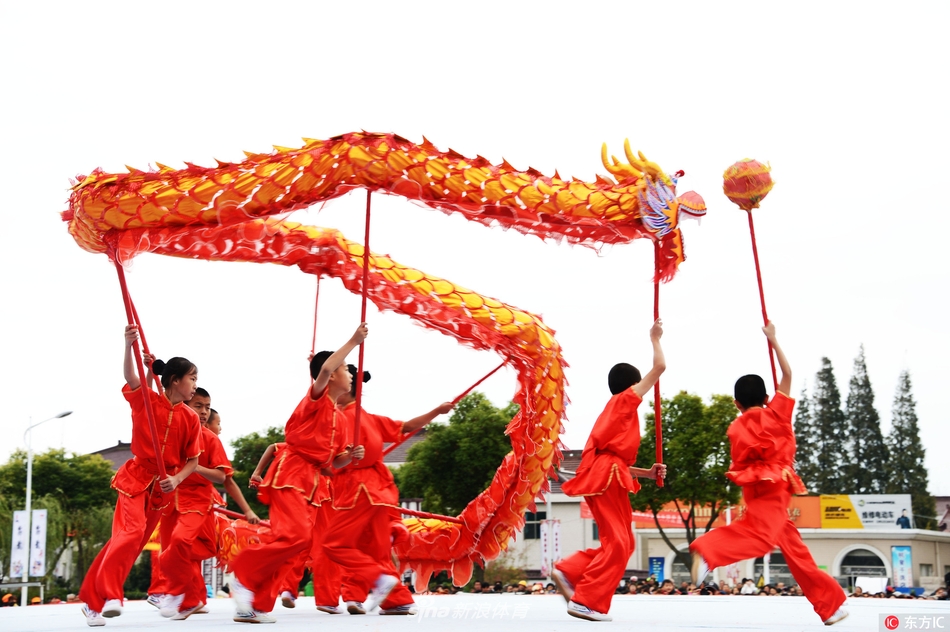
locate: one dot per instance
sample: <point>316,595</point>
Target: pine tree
<point>831,428</point>
<point>906,471</point>
<point>868,453</point>
<point>806,452</point>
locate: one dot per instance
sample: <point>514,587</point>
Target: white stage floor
<point>504,613</point>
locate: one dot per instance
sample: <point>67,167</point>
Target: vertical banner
<point>555,541</point>
<point>38,543</point>
<point>903,569</point>
<point>20,544</point>
<point>545,548</point>
<point>656,567</point>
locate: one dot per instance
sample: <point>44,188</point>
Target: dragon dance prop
<point>236,212</point>
<point>746,183</point>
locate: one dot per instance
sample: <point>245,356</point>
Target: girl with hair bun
<point>294,486</point>
<point>365,504</point>
<point>141,495</point>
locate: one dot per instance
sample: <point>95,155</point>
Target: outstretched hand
<point>656,331</point>
<point>769,331</point>
<point>131,335</point>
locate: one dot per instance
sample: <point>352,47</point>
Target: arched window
<point>863,563</point>
<point>778,569</point>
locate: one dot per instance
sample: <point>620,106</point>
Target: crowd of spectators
<point>650,586</point>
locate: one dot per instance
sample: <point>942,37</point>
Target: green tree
<point>75,489</point>
<point>806,439</point>
<point>906,473</point>
<point>458,460</point>
<point>868,453</point>
<point>831,427</point>
<point>696,452</point>
<point>247,453</point>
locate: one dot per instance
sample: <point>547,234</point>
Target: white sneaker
<point>287,599</point>
<point>355,607</point>
<point>408,608</point>
<point>583,612</point>
<point>181,615</point>
<point>564,587</point>
<point>254,616</point>
<point>113,608</point>
<point>93,618</point>
<point>243,597</point>
<point>170,605</point>
<point>700,570</point>
<point>331,609</point>
<point>839,615</point>
<point>381,589</point>
<point>155,600</point>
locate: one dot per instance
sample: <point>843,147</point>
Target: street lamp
<point>29,492</point>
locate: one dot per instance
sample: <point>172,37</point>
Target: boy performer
<point>188,525</point>
<point>763,451</point>
<point>315,438</point>
<point>605,477</point>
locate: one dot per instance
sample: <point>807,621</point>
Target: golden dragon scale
<point>227,214</point>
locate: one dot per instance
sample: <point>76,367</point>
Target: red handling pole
<point>126,299</point>
<point>359,366</point>
<point>657,405</point>
<point>765,316</point>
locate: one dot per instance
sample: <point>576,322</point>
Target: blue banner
<point>657,565</point>
<point>903,568</point>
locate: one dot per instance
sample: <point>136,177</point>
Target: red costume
<point>326,574</point>
<point>364,500</point>
<point>140,501</point>
<point>292,488</point>
<point>763,450</point>
<point>604,478</point>
<point>187,528</point>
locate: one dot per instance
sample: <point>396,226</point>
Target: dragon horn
<point>631,158</point>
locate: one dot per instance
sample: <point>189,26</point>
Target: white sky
<point>846,100</point>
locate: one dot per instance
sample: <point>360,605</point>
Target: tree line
<point>841,449</point>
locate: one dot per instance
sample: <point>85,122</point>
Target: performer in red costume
<point>315,439</point>
<point>140,500</point>
<point>188,523</point>
<point>212,452</point>
<point>326,573</point>
<point>605,477</point>
<point>763,451</point>
<point>365,499</point>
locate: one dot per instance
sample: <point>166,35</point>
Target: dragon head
<point>660,208</point>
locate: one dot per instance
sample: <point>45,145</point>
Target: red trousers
<point>764,526</point>
<point>327,575</point>
<point>358,540</point>
<point>132,525</point>
<point>187,539</point>
<point>262,568</point>
<point>596,573</point>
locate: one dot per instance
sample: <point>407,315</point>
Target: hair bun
<point>158,367</point>
<point>366,377</point>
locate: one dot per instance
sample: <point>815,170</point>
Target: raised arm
<point>786,382</point>
<point>128,365</point>
<point>336,359</point>
<point>422,420</point>
<point>643,387</point>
